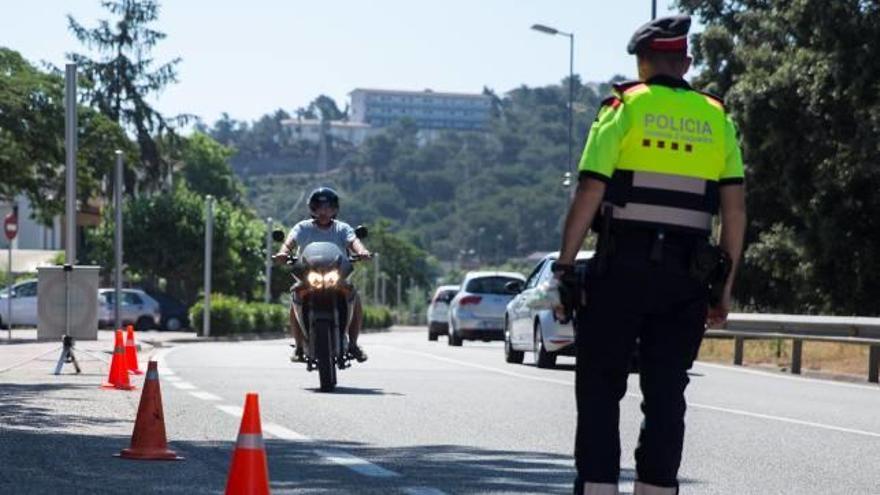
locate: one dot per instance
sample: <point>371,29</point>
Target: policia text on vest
<point>661,160</point>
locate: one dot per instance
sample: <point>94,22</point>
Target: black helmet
<point>323,196</point>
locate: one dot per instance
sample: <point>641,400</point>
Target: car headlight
<point>331,278</point>
<point>315,279</point>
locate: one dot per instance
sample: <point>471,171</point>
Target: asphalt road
<point>422,418</point>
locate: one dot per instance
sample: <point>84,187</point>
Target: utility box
<point>54,285</point>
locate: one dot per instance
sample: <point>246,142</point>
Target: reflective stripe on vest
<point>665,215</point>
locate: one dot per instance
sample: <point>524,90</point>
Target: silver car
<point>529,322</point>
<point>24,304</point>
<point>438,311</point>
<point>138,309</point>
<point>477,311</point>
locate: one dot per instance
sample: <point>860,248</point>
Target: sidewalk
<point>24,347</point>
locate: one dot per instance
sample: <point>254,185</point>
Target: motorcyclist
<point>323,227</point>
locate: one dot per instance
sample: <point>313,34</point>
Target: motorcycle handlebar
<point>354,258</point>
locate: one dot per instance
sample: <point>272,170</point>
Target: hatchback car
<point>529,324</point>
<point>138,309</point>
<point>438,311</point>
<point>24,304</point>
<point>477,311</point>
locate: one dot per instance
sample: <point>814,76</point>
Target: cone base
<point>107,385</point>
<point>149,455</point>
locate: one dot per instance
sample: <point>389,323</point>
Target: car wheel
<point>454,339</point>
<point>432,336</point>
<point>511,355</point>
<point>173,324</point>
<point>543,358</point>
<point>144,323</point>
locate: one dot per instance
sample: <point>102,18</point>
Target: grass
<point>825,357</point>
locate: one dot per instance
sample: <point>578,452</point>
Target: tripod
<point>67,355</point>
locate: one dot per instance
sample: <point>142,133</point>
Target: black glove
<point>567,288</point>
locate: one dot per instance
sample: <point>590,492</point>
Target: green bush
<point>377,317</point>
<point>232,316</point>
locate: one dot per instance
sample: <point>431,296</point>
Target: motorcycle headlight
<point>331,278</point>
<point>315,279</point>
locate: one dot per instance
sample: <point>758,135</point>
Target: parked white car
<point>529,324</point>
<point>138,309</point>
<point>477,311</point>
<point>24,304</point>
<point>438,311</point>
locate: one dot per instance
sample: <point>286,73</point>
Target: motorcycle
<point>322,289</point>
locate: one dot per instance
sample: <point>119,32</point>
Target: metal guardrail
<point>854,330</point>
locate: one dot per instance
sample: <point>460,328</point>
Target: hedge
<point>232,316</point>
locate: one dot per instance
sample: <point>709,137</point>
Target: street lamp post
<point>554,31</point>
<point>653,9</point>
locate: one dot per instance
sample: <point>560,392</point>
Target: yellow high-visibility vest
<point>664,151</point>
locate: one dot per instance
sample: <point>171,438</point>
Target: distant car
<point>529,323</point>
<point>24,304</point>
<point>438,311</point>
<point>174,314</point>
<point>477,311</point>
<point>138,309</point>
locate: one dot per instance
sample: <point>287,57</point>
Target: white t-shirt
<point>307,232</point>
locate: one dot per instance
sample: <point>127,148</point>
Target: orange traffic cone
<point>118,377</point>
<point>148,438</point>
<point>131,353</point>
<point>249,473</point>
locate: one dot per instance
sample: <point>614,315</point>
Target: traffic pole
<point>10,229</point>
<point>209,239</point>
<point>117,241</point>
<point>269,260</point>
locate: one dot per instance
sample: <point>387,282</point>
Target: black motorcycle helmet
<point>323,196</point>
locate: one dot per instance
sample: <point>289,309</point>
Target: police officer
<point>659,162</point>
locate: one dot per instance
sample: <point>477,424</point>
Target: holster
<point>710,265</point>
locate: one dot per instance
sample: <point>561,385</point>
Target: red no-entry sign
<point>10,226</point>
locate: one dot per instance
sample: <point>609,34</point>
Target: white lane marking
<point>172,378</point>
<point>479,366</point>
<point>786,420</point>
<point>205,395</point>
<point>231,410</point>
<point>696,405</point>
<point>184,385</point>
<point>356,464</point>
<point>422,490</point>
<point>285,433</point>
<point>779,376</point>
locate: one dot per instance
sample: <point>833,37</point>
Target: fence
<point>846,330</point>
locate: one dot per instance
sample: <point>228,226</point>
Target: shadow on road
<point>356,391</point>
<point>20,406</point>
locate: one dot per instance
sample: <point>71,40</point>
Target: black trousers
<point>659,310</point>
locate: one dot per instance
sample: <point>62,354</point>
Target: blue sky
<point>250,58</point>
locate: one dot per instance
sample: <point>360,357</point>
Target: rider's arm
<point>357,247</point>
<point>289,244</point>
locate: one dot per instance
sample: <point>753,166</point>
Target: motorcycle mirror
<point>361,232</point>
<point>514,286</point>
<point>278,235</point>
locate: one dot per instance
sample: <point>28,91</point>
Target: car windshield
<point>490,285</point>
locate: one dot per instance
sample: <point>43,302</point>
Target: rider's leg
<point>357,320</point>
<point>295,330</point>
<point>354,329</point>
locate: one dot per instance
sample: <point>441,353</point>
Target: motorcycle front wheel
<point>324,354</point>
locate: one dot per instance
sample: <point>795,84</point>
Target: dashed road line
<point>198,394</point>
<point>184,385</point>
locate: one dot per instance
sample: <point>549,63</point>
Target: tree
<point>121,80</point>
<point>164,242</point>
<point>803,84</point>
<point>32,152</point>
<point>206,168</point>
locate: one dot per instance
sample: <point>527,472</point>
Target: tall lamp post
<point>653,9</point>
<point>553,31</point>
